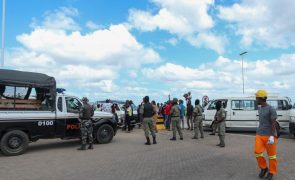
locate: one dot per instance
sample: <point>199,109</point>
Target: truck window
<point>247,105</point>
<point>278,104</point>
<point>285,105</point>
<point>212,106</point>
<point>59,104</point>
<point>73,105</point>
<point>24,99</point>
<point>274,104</point>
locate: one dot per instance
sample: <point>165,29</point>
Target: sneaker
<point>195,138</point>
<point>173,139</point>
<point>181,138</point>
<point>213,134</point>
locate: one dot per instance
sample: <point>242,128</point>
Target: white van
<point>292,121</point>
<point>242,113</point>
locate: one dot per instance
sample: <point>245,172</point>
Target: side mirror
<point>290,107</point>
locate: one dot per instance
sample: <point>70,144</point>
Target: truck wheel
<point>14,143</point>
<point>104,134</point>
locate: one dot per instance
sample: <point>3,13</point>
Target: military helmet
<point>85,99</point>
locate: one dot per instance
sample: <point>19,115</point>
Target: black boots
<point>173,139</point>
<point>90,146</point>
<point>263,172</point>
<point>154,140</point>
<point>269,176</point>
<point>148,141</point>
<point>212,134</point>
<point>83,147</point>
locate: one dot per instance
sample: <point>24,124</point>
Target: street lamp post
<point>3,32</point>
<point>243,70</point>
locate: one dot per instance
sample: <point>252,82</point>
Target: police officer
<point>146,115</point>
<point>86,112</point>
<point>175,119</point>
<point>220,117</point>
<point>198,122</point>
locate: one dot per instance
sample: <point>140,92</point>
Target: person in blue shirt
<point>182,112</point>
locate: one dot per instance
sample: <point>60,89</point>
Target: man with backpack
<point>266,136</point>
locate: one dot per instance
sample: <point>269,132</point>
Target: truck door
<point>72,127</point>
<point>60,117</point>
<point>243,114</point>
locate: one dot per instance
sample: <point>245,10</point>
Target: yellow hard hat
<point>261,93</point>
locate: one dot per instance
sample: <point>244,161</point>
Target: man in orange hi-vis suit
<point>266,136</point>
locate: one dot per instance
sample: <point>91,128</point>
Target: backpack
<point>278,129</point>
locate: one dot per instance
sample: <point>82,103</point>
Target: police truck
<point>32,109</point>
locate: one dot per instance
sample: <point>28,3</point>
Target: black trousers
<point>127,125</point>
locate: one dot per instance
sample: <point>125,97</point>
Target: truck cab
<point>32,111</point>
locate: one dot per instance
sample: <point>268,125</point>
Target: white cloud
<point>172,41</point>
<point>224,77</point>
<point>263,22</point>
<point>79,61</point>
<point>93,26</point>
<point>188,20</point>
<point>209,40</point>
<point>61,18</point>
<point>108,46</point>
<point>172,72</point>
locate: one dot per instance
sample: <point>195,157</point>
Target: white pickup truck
<point>41,113</point>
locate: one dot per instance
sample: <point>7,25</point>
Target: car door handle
<point>280,115</point>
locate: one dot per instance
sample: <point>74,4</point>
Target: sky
<point>112,49</point>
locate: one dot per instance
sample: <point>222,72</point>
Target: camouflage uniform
<point>221,114</point>
<point>198,122</point>
<point>86,131</point>
<point>86,112</point>
<point>175,119</point>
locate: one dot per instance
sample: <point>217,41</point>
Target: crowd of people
<point>174,112</point>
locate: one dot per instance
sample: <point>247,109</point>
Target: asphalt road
<point>126,157</point>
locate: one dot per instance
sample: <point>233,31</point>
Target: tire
<point>14,143</point>
<point>105,134</point>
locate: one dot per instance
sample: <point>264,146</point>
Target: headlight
<point>292,120</point>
